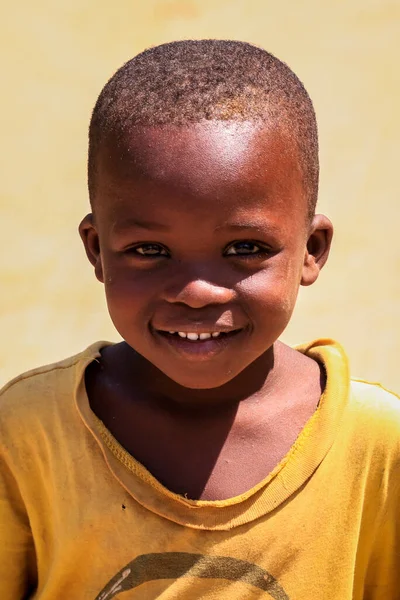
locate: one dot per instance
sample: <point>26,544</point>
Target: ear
<point>318,247</point>
<point>90,239</point>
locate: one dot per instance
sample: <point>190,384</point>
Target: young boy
<point>201,457</point>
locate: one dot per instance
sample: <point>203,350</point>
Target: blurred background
<point>56,56</point>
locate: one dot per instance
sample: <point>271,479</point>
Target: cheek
<point>273,291</point>
<point>129,295</point>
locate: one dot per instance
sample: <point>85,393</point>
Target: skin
<point>203,228</point>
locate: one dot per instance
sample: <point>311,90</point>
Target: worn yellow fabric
<point>80,519</point>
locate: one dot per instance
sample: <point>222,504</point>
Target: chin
<point>197,385</point>
<point>200,382</point>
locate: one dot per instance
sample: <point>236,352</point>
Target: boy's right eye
<point>148,250</point>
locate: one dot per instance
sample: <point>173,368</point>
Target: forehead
<point>229,164</point>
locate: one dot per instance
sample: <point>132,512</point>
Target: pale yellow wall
<point>56,57</point>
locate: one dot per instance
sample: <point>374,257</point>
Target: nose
<point>198,293</point>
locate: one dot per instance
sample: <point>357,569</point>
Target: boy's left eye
<point>245,248</point>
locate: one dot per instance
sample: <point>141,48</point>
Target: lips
<point>198,345</point>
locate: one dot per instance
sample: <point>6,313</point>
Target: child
<point>201,457</point>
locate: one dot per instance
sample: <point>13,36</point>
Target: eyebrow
<point>246,226</point>
<point>135,223</point>
<point>127,224</point>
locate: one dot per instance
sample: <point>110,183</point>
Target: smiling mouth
<point>200,337</point>
<point>199,345</point>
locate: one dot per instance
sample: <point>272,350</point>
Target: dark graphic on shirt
<point>173,565</point>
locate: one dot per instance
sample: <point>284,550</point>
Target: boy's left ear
<point>318,247</point>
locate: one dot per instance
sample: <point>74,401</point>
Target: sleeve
<point>17,555</point>
<point>383,573</point>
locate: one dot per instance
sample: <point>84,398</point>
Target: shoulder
<point>370,428</point>
<point>371,402</point>
<point>369,413</point>
<point>375,405</point>
<point>35,395</point>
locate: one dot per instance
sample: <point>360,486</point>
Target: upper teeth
<point>197,336</point>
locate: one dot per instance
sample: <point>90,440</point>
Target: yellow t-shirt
<point>80,519</point>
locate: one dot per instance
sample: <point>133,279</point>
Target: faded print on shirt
<point>174,565</point>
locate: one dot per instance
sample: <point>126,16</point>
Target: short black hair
<point>190,81</point>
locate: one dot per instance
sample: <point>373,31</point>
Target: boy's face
<point>201,232</point>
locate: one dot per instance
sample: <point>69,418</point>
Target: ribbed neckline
<point>310,448</point>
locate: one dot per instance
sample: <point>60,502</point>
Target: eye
<point>246,248</point>
<point>149,250</point>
